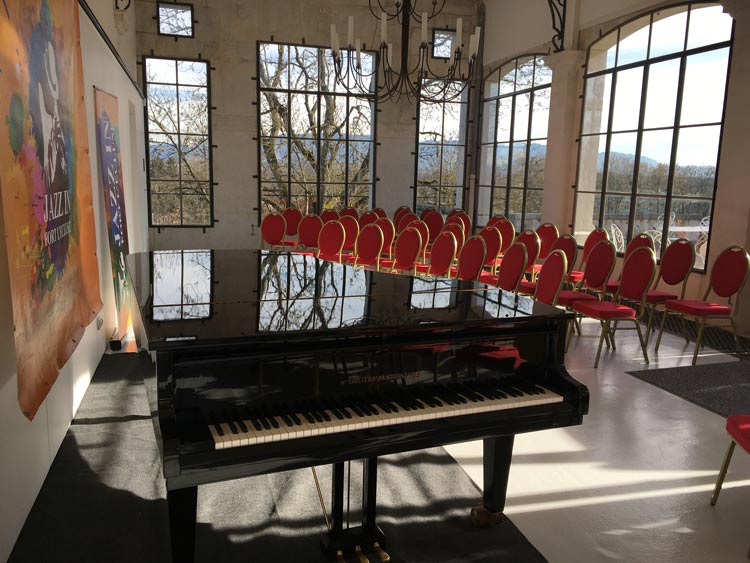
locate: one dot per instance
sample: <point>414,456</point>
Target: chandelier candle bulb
<point>424,28</point>
<point>350,35</point>
<point>359,56</point>
<point>472,45</point>
<point>383,28</point>
<point>390,55</point>
<point>459,24</point>
<point>334,40</point>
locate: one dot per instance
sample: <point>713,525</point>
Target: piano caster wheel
<point>361,557</point>
<point>483,518</point>
<point>382,553</point>
<point>340,556</point>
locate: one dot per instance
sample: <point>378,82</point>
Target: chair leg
<point>612,331</point>
<point>661,330</point>
<point>698,340</point>
<point>685,328</point>
<point>723,472</point>
<point>736,337</point>
<point>642,340</point>
<point>605,328</point>
<point>650,324</point>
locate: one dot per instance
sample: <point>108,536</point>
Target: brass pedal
<point>340,556</point>
<point>382,553</point>
<point>361,556</point>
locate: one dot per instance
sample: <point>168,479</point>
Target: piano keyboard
<point>246,426</point>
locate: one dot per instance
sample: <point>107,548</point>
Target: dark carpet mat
<point>720,388</point>
<point>104,499</point>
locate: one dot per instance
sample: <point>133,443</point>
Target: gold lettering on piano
<point>377,378</point>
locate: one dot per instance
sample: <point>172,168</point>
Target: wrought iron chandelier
<point>396,81</point>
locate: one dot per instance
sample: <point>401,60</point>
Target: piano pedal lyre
<point>382,553</point>
<point>340,556</point>
<point>361,557</point>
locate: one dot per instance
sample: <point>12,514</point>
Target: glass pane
<point>633,41</point>
<point>521,123</point>
<point>515,207</point>
<point>591,163</point>
<point>273,159</point>
<point>653,171</point>
<point>453,130</point>
<point>489,115</point>
<point>504,112</point>
<point>453,164</point>
<point>596,114</point>
<point>162,109</point>
<point>533,215</point>
<point>621,162</point>
<point>304,115</point>
<point>649,214</point>
<point>697,152</point>
<point>303,68</point>
<point>518,165</point>
<point>193,110</point>
<point>587,214</point>
<point>169,187</point>
<point>333,117</point>
<point>304,159</point>
<point>661,94</point>
<point>192,73</point>
<point>272,120</point>
<point>165,209</point>
<point>537,155</point>
<point>194,161</point>
<point>167,278</point>
<point>483,205</point>
<point>508,78</point>
<point>273,198</point>
<point>707,26</point>
<point>705,83</point>
<point>360,119</point>
<point>540,114</point>
<point>617,213</point>
<point>428,164</point>
<point>690,219</point>
<point>485,164</point>
<point>442,43</point>
<point>304,197</point>
<point>161,70</point>
<point>176,19</point>
<point>627,99</point>
<point>491,86</point>
<point>524,73</point>
<point>668,31</point>
<point>602,54</point>
<point>499,200</point>
<point>501,164</point>
<point>430,122</point>
<point>542,73</point>
<point>195,210</point>
<point>274,65</point>
<point>360,162</point>
<point>163,158</point>
<point>332,164</point>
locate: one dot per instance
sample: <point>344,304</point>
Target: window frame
<point>161,3</point>
<point>182,304</point>
<point>511,141</point>
<point>436,30</point>
<point>317,92</point>
<point>212,219</point>
<point>675,127</point>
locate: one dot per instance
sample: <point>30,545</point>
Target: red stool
<point>738,426</point>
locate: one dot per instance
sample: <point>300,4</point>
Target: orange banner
<point>45,181</point>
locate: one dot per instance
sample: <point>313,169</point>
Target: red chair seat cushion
<point>386,263</point>
<point>289,242</point>
<point>421,268</point>
<point>699,308</point>
<point>527,287</point>
<point>657,296</point>
<point>612,286</point>
<point>488,278</point>
<point>738,426</point>
<point>567,297</point>
<point>604,310</point>
<point>575,276</point>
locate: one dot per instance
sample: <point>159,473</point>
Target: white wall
<point>27,449</point>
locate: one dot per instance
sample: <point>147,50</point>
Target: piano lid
<point>226,295</point>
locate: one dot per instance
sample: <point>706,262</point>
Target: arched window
<point>651,126</point>
<point>515,112</point>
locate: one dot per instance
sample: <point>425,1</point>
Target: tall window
<point>317,141</point>
<point>179,142</point>
<point>515,113</point>
<point>651,126</point>
<point>441,146</point>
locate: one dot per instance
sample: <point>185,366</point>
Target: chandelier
<point>420,81</point>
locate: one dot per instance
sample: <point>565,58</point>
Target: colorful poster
<point>108,137</point>
<point>45,182</point>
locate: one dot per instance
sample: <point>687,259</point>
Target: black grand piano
<point>269,361</point>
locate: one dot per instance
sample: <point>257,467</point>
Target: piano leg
<point>337,499</point>
<point>370,490</point>
<point>182,509</point>
<point>497,457</point>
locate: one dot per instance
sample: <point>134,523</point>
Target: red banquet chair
<point>676,264</point>
<point>738,426</point>
<point>595,236</point>
<point>507,231</point>
<point>511,269</point>
<point>351,230</point>
<point>425,211</point>
<point>493,240</point>
<point>389,232</point>
<point>380,212</point>
<point>531,241</point>
<point>567,243</point>
<point>456,220</point>
<point>292,216</point>
<point>442,255</point>
<point>405,252</point>
<point>458,231</point>
<point>495,219</point>
<point>367,218</point>
<point>349,212</point>
<point>399,212</point>
<point>329,215</point>
<point>434,222</point>
<point>728,276</point>
<point>637,276</point>
<point>547,234</point>
<point>637,242</point>
<point>551,277</point>
<point>424,232</point>
<point>272,229</point>
<point>471,259</point>
<point>309,231</point>
<point>369,246</point>
<point>331,241</point>
<point>405,220</point>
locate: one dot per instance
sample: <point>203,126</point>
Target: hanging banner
<point>108,137</point>
<point>45,182</point>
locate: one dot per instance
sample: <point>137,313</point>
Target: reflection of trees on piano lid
<point>433,293</point>
<point>181,285</point>
<point>299,292</point>
<point>493,301</point>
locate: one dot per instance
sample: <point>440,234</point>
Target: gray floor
<point>633,482</point>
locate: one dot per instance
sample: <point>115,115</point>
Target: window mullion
<point>607,146</point>
<point>637,159</point>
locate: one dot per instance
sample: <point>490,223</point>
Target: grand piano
<point>269,361</point>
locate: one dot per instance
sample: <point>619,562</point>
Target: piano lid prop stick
<point>320,497</point>
<point>348,490</point>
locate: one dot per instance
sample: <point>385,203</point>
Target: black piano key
<point>212,420</point>
<point>308,417</point>
<point>287,419</point>
<point>232,426</point>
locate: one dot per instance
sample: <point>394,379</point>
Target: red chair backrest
<point>369,245</point>
<point>548,234</point>
<point>331,241</point>
<point>424,232</point>
<point>349,212</point>
<point>569,246</point>
<point>454,211</point>
<point>367,218</point>
<point>272,228</point>
<point>351,228</point>
<point>471,259</point>
<point>329,215</point>
<point>592,239</point>
<point>551,277</point>
<point>465,220</point>
<point>492,241</point>
<point>507,231</point>
<point>405,220</point>
<point>309,230</point>
<point>399,212</point>
<point>380,212</point>
<point>425,211</point>
<point>434,222</point>
<point>637,274</point>
<point>729,272</point>
<point>639,241</point>
<point>292,217</point>
<point>442,254</point>
<point>495,219</point>
<point>599,265</point>
<point>458,231</point>
<point>531,241</point>
<point>407,247</point>
<point>677,263</point>
<point>456,220</point>
<point>512,267</point>
<point>386,225</point>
